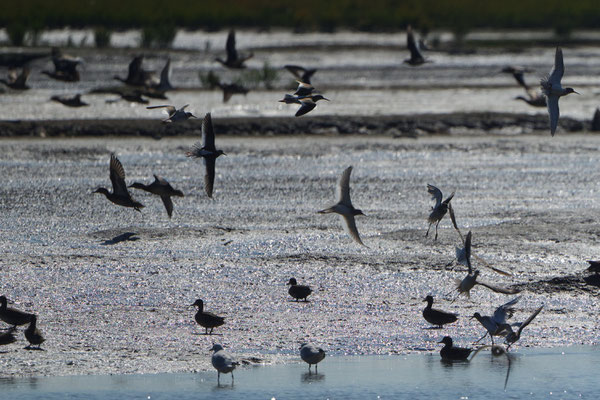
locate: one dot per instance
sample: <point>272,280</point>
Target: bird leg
<point>481,338</point>
<point>436,229</point>
<point>427,233</point>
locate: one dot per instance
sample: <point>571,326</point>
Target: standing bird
<point>208,151</point>
<point>345,208</point>
<point>223,362</point>
<point>437,317</point>
<point>174,113</point>
<point>416,58</point>
<point>311,355</point>
<point>298,291</point>
<point>302,74</point>
<point>15,80</point>
<point>162,188</point>
<point>33,334</point>
<point>451,353</point>
<point>439,210</point>
<point>234,60</point>
<point>207,319</point>
<point>496,324</point>
<point>553,90</point>
<point>120,195</point>
<point>11,316</point>
<point>512,336</point>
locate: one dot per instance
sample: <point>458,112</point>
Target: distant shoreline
<point>396,125</point>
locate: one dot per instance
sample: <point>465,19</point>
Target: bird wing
<point>412,45</point>
<point>165,75</point>
<point>170,109</point>
<point>528,320</point>
<point>22,78</point>
<point>343,189</point>
<point>208,135</point>
<point>350,228</point>
<point>117,176</point>
<point>435,194</point>
<point>520,78</point>
<point>307,105</point>
<point>559,68</point>
<point>230,46</point>
<point>504,311</point>
<point>135,68</point>
<point>227,94</point>
<point>183,108</point>
<point>295,70</point>
<point>498,289</point>
<point>553,112</point>
<point>159,180</point>
<point>468,252</point>
<point>209,176</point>
<point>168,204</point>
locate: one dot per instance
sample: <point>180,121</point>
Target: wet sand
<point>112,286</point>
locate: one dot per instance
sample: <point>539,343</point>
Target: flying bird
<point>208,152</point>
<point>175,114</point>
<point>233,60</point>
<point>65,67</point>
<point>302,74</point>
<point>496,325</point>
<point>416,58</point>
<point>439,210</point>
<point>553,90</point>
<point>345,208</point>
<point>120,195</point>
<point>16,80</point>
<point>162,188</point>
<point>513,336</point>
<point>70,101</point>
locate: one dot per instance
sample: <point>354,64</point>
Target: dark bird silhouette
<point>207,319</point>
<point>208,152</point>
<point>416,58</point>
<point>65,67</point>
<point>311,355</point>
<point>12,316</point>
<point>496,325</point>
<point>174,113</point>
<point>73,101</point>
<point>16,80</point>
<point>298,291</point>
<point>33,334</point>
<point>439,210</point>
<point>233,60</point>
<point>594,267</point>
<point>304,89</point>
<point>229,89</point>
<point>302,74</point>
<point>437,317</point>
<point>162,188</point>
<point>8,337</point>
<point>137,76</point>
<point>120,195</point>
<point>451,353</point>
<point>512,336</point>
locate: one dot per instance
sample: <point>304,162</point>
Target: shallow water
<point>565,373</point>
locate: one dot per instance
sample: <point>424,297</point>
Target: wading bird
<point>311,355</point>
<point>223,362</point>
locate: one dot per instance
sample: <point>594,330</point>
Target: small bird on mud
<point>12,316</point>
<point>175,114</point>
<point>207,319</point>
<point>437,317</point>
<point>222,362</point>
<point>496,324</point>
<point>33,335</point>
<point>512,336</point>
<point>233,60</point>
<point>120,195</point>
<point>451,353</point>
<point>439,210</point>
<point>553,90</point>
<point>298,292</point>
<point>162,188</point>
<point>208,152</point>
<point>311,355</point>
<point>345,208</point>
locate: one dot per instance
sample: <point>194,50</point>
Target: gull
<point>12,316</point>
<point>416,58</point>
<point>234,60</point>
<point>162,188</point>
<point>467,283</point>
<point>345,208</point>
<point>439,210</point>
<point>223,362</point>
<point>16,80</point>
<point>553,90</point>
<point>33,334</point>
<point>208,152</point>
<point>298,291</point>
<point>174,113</point>
<point>311,355</point>
<point>207,319</point>
<point>496,324</point>
<point>437,317</point>
<point>512,336</point>
<point>120,195</point>
<point>74,101</point>
<point>303,74</point>
<point>451,353</point>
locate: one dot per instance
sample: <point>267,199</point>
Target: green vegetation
<point>456,15</point>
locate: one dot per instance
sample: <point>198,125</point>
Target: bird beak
<point>441,341</point>
<point>325,99</point>
<point>576,92</point>
<point>192,116</point>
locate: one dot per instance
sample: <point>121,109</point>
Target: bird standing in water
<point>311,355</point>
<point>222,362</point>
<point>451,353</point>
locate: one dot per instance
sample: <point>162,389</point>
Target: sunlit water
<point>566,373</point>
